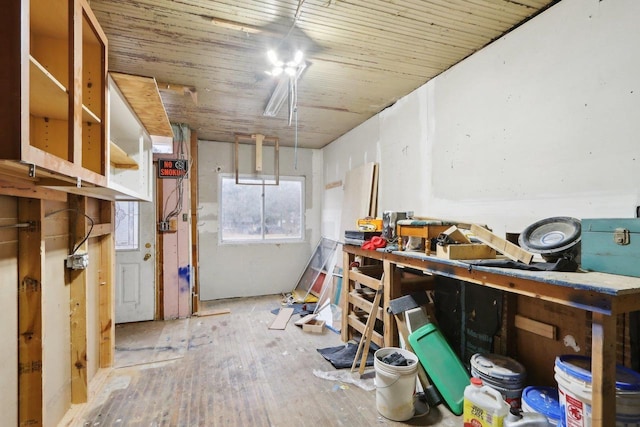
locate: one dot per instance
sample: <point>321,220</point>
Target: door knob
<point>147,256</point>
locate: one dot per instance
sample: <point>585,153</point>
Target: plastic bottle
<point>483,406</point>
<point>516,418</point>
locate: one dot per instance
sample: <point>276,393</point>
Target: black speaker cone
<point>552,237</point>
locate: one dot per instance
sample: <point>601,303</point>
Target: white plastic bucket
<point>395,385</point>
<point>543,400</point>
<point>501,373</point>
<point>573,375</point>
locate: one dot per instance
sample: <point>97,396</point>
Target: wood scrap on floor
<point>281,320</point>
<point>217,312</point>
<point>305,319</point>
<point>314,326</point>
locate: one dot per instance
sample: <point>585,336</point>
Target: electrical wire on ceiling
<point>77,212</point>
<point>293,113</point>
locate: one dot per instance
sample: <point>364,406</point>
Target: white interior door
<point>135,261</point>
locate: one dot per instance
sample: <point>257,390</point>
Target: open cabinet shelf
<point>120,159</point>
<point>55,54</point>
<point>48,97</point>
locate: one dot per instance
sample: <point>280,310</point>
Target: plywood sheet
<point>143,96</point>
<point>281,320</point>
<point>360,196</point>
<point>536,352</point>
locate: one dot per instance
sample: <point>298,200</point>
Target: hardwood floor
<point>231,370</point>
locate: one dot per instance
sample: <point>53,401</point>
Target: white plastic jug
<point>525,419</point>
<point>483,405</point>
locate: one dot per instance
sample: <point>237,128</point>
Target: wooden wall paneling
<point>106,284</point>
<point>93,309</point>
<point>195,294</point>
<point>538,353</point>
<point>20,188</point>
<point>78,229</point>
<point>30,273</point>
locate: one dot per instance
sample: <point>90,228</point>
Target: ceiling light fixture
<point>289,72</point>
<point>289,67</point>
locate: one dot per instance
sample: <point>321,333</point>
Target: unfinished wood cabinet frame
<point>53,62</point>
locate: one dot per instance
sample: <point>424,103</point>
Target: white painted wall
<point>543,122</point>
<point>235,270</point>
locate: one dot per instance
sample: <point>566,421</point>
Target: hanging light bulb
<point>273,57</point>
<point>298,57</point>
<point>290,67</point>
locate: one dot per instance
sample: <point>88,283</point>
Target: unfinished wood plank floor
<point>236,372</point>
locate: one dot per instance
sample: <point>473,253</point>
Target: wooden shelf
<point>89,116</point>
<point>143,96</point>
<point>47,96</point>
<point>120,159</point>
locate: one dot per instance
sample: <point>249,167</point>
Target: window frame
<point>137,216</point>
<point>260,239</point>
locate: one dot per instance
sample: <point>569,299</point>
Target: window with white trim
<point>261,212</point>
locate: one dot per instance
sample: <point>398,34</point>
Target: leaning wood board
<point>281,320</point>
<point>501,245</point>
<point>360,188</point>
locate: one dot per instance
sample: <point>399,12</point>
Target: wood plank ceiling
<point>209,57</point>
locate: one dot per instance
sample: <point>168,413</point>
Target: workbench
<point>603,295</point>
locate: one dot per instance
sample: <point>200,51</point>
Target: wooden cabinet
<point>53,112</point>
<point>130,152</point>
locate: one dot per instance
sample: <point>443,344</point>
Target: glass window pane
<point>127,219</point>
<point>259,212</point>
<point>241,213</point>
<point>282,210</point>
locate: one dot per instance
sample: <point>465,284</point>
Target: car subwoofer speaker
<point>389,219</point>
<point>553,238</point>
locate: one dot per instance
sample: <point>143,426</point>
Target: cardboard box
<point>611,245</point>
<point>465,251</point>
<point>314,326</point>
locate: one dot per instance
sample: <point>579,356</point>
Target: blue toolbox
<point>611,245</point>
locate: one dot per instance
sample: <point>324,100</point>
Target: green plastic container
<point>442,365</point>
<point>611,245</point>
